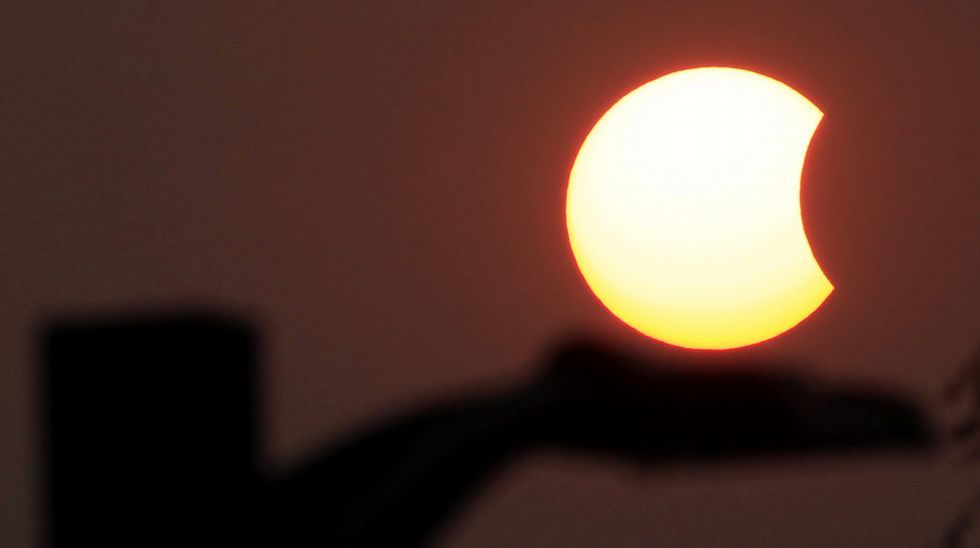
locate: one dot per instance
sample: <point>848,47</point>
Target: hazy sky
<point>382,188</point>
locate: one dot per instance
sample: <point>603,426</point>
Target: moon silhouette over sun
<point>683,209</point>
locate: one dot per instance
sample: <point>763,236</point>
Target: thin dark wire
<point>966,385</point>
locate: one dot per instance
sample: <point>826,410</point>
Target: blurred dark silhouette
<point>151,435</point>
<point>150,430</point>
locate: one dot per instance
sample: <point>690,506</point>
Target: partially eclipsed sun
<point>683,209</point>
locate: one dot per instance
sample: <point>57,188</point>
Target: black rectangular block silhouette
<point>151,437</point>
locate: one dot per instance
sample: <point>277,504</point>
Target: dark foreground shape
<point>150,431</point>
<point>397,482</point>
<point>152,437</point>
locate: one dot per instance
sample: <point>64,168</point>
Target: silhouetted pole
<point>151,431</point>
<point>152,436</point>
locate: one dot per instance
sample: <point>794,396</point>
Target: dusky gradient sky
<point>381,187</point>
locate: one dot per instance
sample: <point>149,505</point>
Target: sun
<point>683,209</point>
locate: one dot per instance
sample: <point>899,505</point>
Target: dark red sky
<point>384,187</point>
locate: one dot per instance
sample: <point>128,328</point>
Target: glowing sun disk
<point>683,209</point>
